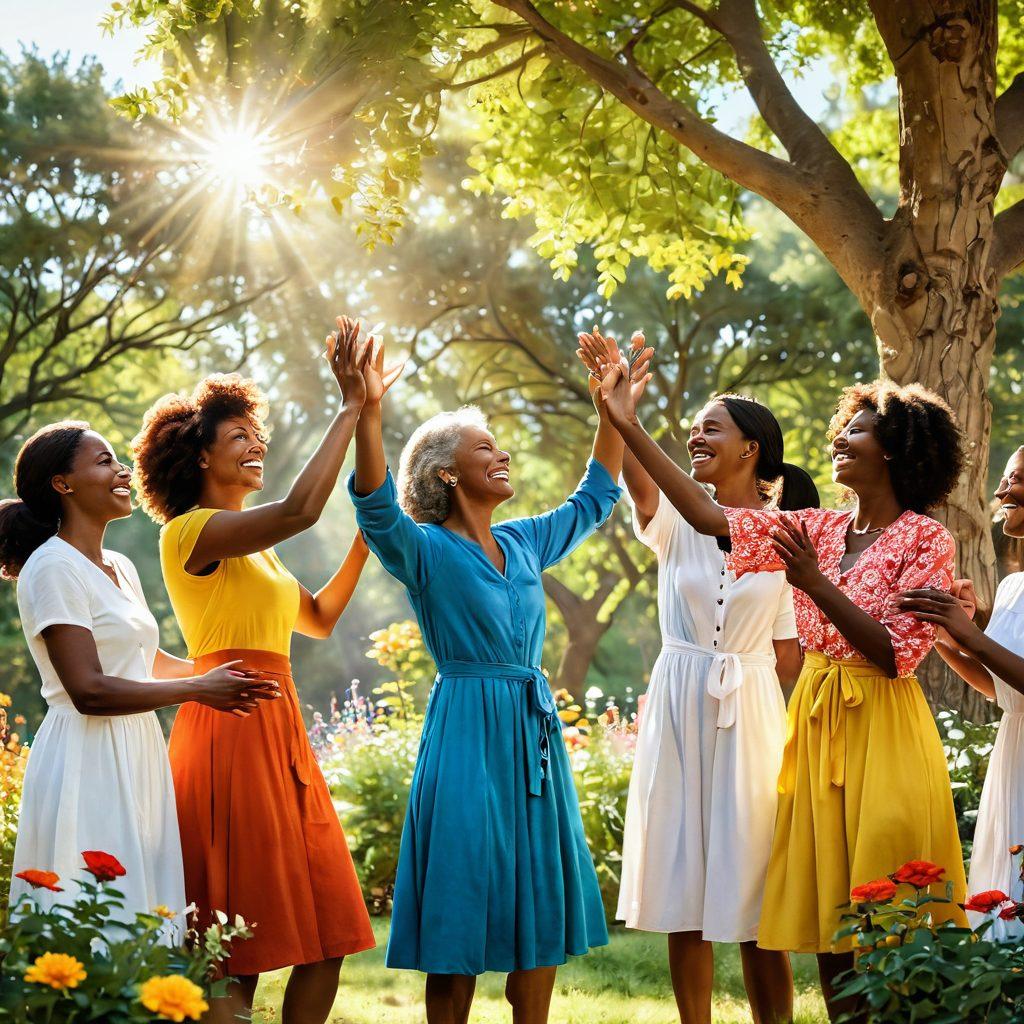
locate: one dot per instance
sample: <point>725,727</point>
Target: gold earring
<point>453,481</point>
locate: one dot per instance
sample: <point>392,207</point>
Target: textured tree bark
<point>936,304</point>
<point>584,630</point>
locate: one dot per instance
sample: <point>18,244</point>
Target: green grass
<point>625,982</point>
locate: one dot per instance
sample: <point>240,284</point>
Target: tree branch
<point>1008,240</point>
<point>1010,118</point>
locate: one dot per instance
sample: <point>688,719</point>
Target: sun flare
<point>236,157</point>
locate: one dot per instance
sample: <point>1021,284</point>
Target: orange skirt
<point>259,834</point>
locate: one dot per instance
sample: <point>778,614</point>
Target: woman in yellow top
<point>260,836</point>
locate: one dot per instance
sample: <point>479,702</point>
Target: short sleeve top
<point>250,602</point>
<point>60,586</point>
<point>914,551</point>
<point>1006,627</point>
<point>702,601</point>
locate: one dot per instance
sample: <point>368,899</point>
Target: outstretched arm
<point>371,462</point>
<point>319,612</point>
<point>230,534</point>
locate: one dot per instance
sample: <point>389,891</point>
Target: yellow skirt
<point>864,788</point>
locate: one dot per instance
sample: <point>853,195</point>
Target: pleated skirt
<point>864,788</point>
<point>260,835</point>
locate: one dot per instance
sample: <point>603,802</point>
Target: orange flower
<point>173,997</point>
<point>103,866</point>
<point>41,879</point>
<point>58,970</point>
<point>879,891</point>
<point>984,902</point>
<point>1015,849</point>
<point>919,873</point>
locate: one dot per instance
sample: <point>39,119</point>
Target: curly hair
<point>918,430</point>
<point>176,428</point>
<point>432,447</point>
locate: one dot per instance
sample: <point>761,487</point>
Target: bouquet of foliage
<point>911,970</point>
<point>76,961</point>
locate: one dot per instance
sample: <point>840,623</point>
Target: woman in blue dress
<point>494,873</point>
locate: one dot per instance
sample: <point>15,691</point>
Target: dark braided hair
<point>32,518</point>
<point>174,432</point>
<point>919,432</point>
<point>756,422</point>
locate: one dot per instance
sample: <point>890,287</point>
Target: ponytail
<point>798,489</point>
<point>31,519</point>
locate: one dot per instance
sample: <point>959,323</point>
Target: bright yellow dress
<point>864,786</point>
<point>260,835</point>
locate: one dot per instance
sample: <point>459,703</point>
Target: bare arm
<point>73,654</point>
<point>642,489</point>
<point>167,666</point>
<point>319,612</point>
<point>231,534</point>
<point>789,660</point>
<point>967,668</point>
<point>371,462</point>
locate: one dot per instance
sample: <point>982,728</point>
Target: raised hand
<point>378,377</point>
<point>226,688</point>
<point>599,354</point>
<point>346,358</point>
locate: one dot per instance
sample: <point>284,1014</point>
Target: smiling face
<point>717,447</point>
<point>1010,495</point>
<point>97,485</point>
<point>857,457</point>
<point>235,458</point>
<point>482,468</point>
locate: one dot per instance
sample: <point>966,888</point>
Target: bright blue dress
<point>494,873</point>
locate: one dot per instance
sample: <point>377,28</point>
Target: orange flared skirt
<point>260,836</point>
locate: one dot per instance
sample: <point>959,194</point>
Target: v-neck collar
<point>121,587</point>
<point>503,573</point>
<point>847,523</point>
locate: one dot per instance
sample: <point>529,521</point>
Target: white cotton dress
<point>1000,822</point>
<point>702,797</point>
<point>96,782</point>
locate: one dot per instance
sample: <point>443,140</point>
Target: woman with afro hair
<point>260,836</point>
<point>864,785</point>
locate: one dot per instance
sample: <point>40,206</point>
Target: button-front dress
<point>494,873</point>
<point>1001,814</point>
<point>702,796</point>
<point>96,782</point>
<point>259,832</point>
<point>864,785</point>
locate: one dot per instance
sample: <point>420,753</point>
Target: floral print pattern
<point>915,551</point>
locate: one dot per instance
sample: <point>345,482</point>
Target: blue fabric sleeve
<point>403,546</point>
<point>558,533</point>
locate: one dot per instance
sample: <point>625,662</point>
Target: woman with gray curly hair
<point>494,873</point>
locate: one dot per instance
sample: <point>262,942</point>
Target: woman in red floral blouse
<point>864,785</point>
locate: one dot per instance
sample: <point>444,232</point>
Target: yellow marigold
<point>58,970</point>
<point>162,910</point>
<point>173,997</point>
<point>5,700</point>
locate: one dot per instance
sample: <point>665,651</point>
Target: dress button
<point>718,629</point>
<point>720,600</point>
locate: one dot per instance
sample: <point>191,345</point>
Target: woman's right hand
<point>601,356</point>
<point>226,688</point>
<point>347,359</point>
<point>379,377</point>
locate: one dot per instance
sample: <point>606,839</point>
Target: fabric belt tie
<point>542,708</point>
<point>725,676</point>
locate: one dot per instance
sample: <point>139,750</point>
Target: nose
<point>504,457</point>
<point>840,443</point>
<point>123,470</point>
<point>1003,489</point>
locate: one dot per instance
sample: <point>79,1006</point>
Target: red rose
<point>103,866</point>
<point>880,891</point>
<point>41,879</point>
<point>984,902</point>
<point>1012,912</point>
<point>918,873</point>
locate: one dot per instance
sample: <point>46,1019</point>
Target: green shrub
<point>968,747</point>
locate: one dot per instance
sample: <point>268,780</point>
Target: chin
<point>1015,531</point>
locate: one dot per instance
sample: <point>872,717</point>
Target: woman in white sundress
<point>98,777</point>
<point>993,663</point>
<point>702,798</point>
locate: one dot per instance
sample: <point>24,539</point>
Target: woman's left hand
<point>599,354</point>
<point>943,609</point>
<point>793,545</point>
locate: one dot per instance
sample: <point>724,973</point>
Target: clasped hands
<point>358,366</point>
<point>617,378</point>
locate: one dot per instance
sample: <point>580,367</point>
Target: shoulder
<point>926,530</point>
<point>1010,590</point>
<point>48,559</point>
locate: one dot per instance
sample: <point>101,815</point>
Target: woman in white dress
<point>991,662</point>
<point>98,776</point>
<point>702,796</point>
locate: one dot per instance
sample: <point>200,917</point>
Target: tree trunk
<point>584,636</point>
<point>936,307</point>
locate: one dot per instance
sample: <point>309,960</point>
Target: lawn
<point>625,982</point>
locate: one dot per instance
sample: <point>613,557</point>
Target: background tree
<point>597,122</point>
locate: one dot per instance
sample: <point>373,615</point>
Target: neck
<point>229,499</point>
<point>738,492</point>
<point>471,520</point>
<point>876,511</point>
<point>85,534</point>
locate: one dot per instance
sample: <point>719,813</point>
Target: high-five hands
<point>378,377</point>
<point>617,379</point>
<point>346,357</point>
